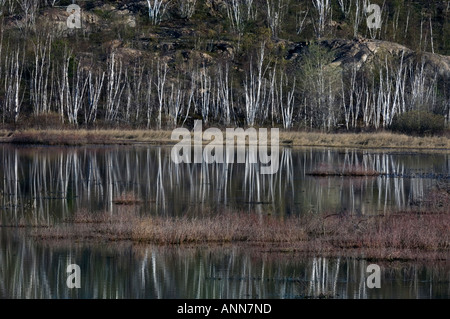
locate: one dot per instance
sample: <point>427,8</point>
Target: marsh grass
<point>353,170</point>
<point>415,234</point>
<point>291,138</point>
<point>127,199</point>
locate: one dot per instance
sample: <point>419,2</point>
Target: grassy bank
<point>419,234</point>
<point>162,137</point>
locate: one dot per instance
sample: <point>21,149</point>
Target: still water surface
<point>47,184</point>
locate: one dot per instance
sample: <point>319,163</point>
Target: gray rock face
<point>360,52</point>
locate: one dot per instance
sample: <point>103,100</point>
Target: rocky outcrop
<point>178,37</point>
<point>359,52</point>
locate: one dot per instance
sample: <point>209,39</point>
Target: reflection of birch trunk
<point>160,194</point>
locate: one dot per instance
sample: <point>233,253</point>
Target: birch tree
<point>30,9</point>
<point>148,97</point>
<point>156,10</point>
<point>322,16</point>
<point>40,76</point>
<point>345,6</point>
<point>191,96</point>
<point>300,21</point>
<point>186,8</point>
<point>235,15</point>
<point>205,93</point>
<point>253,88</point>
<point>94,89</point>
<point>286,103</point>
<point>114,88</point>
<point>276,10</point>
<point>176,101</point>
<point>161,71</point>
<point>75,91</point>
<point>319,85</point>
<point>13,97</point>
<point>225,94</point>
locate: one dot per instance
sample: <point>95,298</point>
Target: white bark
<point>205,94</point>
<point>30,9</point>
<point>300,23</point>
<point>346,6</point>
<point>276,10</point>
<point>156,10</point>
<point>114,88</point>
<point>13,95</point>
<point>39,94</point>
<point>322,17</point>
<point>94,89</point>
<point>186,8</point>
<point>286,105</point>
<point>253,88</point>
<point>160,89</point>
<point>235,15</point>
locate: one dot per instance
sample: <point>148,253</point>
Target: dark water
<point>47,184</point>
<point>38,270</point>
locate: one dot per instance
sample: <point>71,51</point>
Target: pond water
<point>30,269</point>
<point>48,184</point>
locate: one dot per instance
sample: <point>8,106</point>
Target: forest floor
<point>375,140</point>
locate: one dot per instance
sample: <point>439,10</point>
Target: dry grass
<point>127,199</point>
<point>420,234</point>
<point>361,140</point>
<point>84,137</point>
<point>367,140</point>
<point>330,170</point>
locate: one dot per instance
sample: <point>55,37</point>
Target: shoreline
<point>80,137</point>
